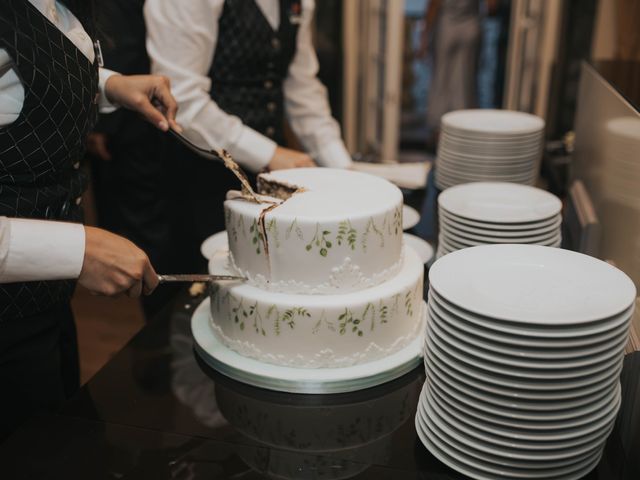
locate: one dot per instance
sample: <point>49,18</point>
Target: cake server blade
<point>197,278</point>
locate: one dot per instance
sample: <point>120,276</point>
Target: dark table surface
<point>156,412</point>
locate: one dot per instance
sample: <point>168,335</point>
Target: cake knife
<point>197,278</point>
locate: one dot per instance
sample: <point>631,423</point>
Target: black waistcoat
<point>40,151</point>
<point>251,63</point>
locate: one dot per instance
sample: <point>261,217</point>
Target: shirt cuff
<point>334,155</point>
<point>253,150</point>
<point>104,104</point>
<point>43,250</point>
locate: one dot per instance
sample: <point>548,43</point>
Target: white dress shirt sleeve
<point>181,41</point>
<point>33,250</point>
<point>306,101</point>
<point>104,104</point>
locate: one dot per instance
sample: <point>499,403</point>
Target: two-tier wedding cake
<point>329,281</point>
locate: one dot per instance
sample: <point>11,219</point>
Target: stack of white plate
<point>497,212</point>
<point>479,145</point>
<point>523,353</point>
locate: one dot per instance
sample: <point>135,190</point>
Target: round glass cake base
<point>300,380</point>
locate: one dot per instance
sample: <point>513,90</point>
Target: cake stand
<point>300,380</point>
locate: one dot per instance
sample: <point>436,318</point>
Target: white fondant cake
<point>343,233</point>
<point>329,283</point>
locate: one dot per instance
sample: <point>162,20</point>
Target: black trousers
<point>39,365</point>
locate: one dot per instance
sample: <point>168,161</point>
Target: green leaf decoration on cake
<point>275,313</point>
<point>347,234</point>
<point>408,303</point>
<point>289,315</point>
<point>241,226</point>
<point>372,228</point>
<point>272,228</point>
<point>294,228</point>
<point>348,323</point>
<point>254,313</point>
<point>397,220</point>
<point>384,312</point>
<point>239,314</point>
<point>256,237</point>
<point>323,321</point>
<point>320,241</point>
<point>369,310</point>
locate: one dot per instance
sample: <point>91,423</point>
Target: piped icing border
<point>347,277</point>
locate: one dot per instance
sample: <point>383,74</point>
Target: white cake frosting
<point>319,331</point>
<point>343,233</point>
<point>329,283</point>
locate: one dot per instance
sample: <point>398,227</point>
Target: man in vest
<point>239,69</point>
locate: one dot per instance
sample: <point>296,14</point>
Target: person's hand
<point>114,265</point>
<point>287,158</point>
<point>140,92</point>
<point>97,145</point>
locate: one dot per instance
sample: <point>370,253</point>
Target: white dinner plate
<point>461,439</point>
<point>608,415</point>
<point>496,383</point>
<point>438,345</point>
<point>494,454</point>
<point>470,239</point>
<point>492,122</point>
<point>536,427</point>
<point>410,217</point>
<point>457,455</point>
<point>460,177</point>
<point>551,387</point>
<point>479,159</point>
<point>460,243</point>
<point>455,169</point>
<point>214,243</point>
<point>464,229</point>
<point>476,469</point>
<point>449,144</point>
<point>466,344</point>
<point>459,168</point>
<point>517,226</point>
<point>493,140</point>
<point>500,202</point>
<point>527,347</point>
<point>540,335</point>
<point>503,410</point>
<point>420,246</point>
<point>531,284</point>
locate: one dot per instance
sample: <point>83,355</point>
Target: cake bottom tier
<point>319,331</point>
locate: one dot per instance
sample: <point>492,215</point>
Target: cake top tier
<point>330,194</point>
<point>333,231</point>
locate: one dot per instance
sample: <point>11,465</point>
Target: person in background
<point>454,26</point>
<point>241,70</point>
<point>136,186</point>
<point>50,91</point>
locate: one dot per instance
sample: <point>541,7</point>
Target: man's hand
<point>113,265</point>
<point>137,92</point>
<point>287,158</point>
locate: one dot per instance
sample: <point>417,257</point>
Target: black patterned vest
<point>251,63</point>
<point>40,151</point>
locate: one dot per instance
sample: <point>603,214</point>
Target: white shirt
<point>181,41</point>
<point>39,249</point>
